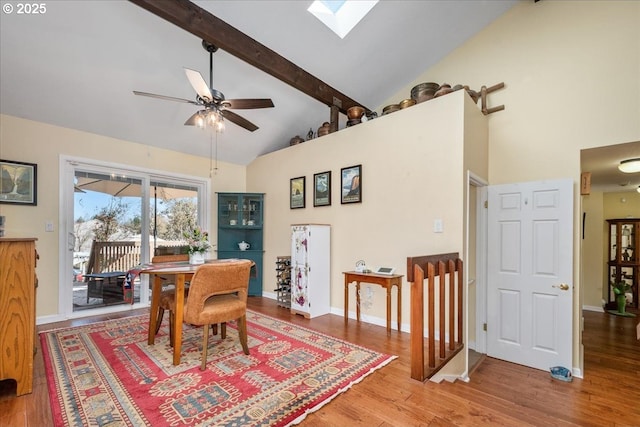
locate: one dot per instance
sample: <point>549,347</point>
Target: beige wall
<point>621,205</point>
<point>593,257</point>
<point>571,73</point>
<point>412,173</point>
<point>34,142</point>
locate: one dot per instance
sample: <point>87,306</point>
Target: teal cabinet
<point>240,220</point>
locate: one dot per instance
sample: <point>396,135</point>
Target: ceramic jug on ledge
<point>244,245</point>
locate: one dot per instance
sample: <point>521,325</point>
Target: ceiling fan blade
<point>244,104</point>
<point>168,98</point>
<point>198,84</point>
<point>239,120</point>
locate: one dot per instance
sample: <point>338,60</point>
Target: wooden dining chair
<point>218,294</point>
<point>167,297</point>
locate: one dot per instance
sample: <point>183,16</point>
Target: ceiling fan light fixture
<point>200,121</point>
<point>210,119</point>
<point>630,165</point>
<point>638,189</point>
<point>220,125</point>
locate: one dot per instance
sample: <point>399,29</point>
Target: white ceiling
<point>77,64</point>
<point>603,163</point>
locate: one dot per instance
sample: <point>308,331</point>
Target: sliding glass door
<point>108,222</point>
<point>119,218</point>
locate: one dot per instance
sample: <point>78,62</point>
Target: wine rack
<point>283,281</point>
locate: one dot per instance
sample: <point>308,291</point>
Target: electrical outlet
<point>48,226</point>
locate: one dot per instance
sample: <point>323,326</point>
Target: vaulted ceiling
<point>77,65</point>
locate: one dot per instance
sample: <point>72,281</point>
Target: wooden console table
<point>385,280</point>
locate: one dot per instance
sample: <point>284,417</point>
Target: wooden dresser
<point>17,311</point>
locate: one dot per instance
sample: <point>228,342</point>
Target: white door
<point>530,271</point>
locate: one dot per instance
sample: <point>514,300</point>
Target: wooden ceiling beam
<point>199,22</point>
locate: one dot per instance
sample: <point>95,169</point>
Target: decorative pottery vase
<point>355,112</point>
<point>196,258</point>
<point>324,129</point>
<point>296,140</point>
<point>444,89</point>
<point>621,301</point>
<point>424,91</point>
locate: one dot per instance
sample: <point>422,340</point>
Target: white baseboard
<point>365,318</point>
<point>576,372</point>
<point>43,320</point>
<point>593,308</point>
<point>269,295</point>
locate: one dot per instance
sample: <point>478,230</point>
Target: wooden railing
<point>113,256</point>
<point>447,268</point>
<point>123,255</point>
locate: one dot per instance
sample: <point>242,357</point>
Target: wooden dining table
<point>182,272</point>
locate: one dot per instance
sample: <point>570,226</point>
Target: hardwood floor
<point>499,393</point>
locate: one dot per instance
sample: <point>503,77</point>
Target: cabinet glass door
<point>228,210</point>
<point>627,249</point>
<point>251,211</point>
<point>613,245</point>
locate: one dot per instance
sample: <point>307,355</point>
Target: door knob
<point>561,286</point>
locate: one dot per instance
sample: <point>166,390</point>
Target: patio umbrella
<point>113,185</point>
<point>130,187</point>
<point>119,186</point>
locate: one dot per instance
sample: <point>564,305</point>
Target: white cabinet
<point>310,270</point>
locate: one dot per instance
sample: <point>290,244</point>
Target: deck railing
<point>113,256</point>
<point>106,257</point>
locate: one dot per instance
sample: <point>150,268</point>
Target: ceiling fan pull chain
<point>210,70</point>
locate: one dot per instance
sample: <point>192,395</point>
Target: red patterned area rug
<point>105,374</point>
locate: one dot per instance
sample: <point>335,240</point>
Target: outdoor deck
<point>80,301</point>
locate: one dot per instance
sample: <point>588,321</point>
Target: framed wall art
<point>322,189</point>
<point>351,184</point>
<point>296,193</point>
<point>18,183</point>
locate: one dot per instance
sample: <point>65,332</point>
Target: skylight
<point>341,16</point>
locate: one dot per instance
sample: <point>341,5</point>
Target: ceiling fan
<point>214,105</point>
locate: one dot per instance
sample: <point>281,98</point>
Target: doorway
<point>609,194</point>
<point>475,265</point>
<point>116,218</point>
